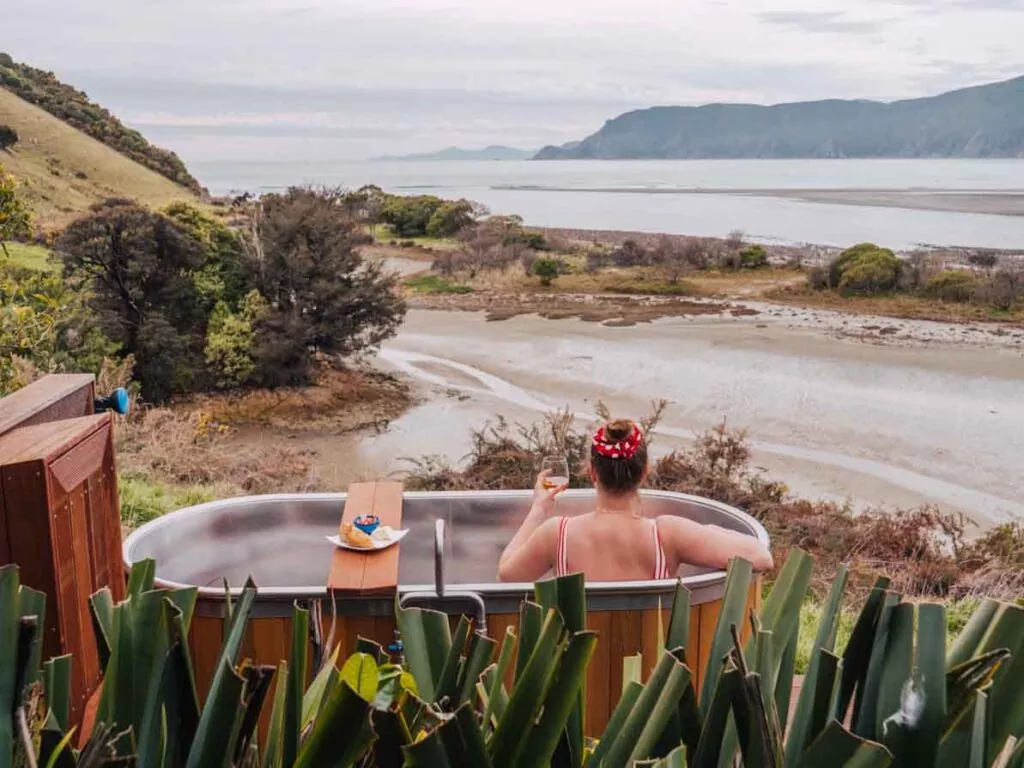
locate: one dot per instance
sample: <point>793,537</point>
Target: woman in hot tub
<point>616,542</point>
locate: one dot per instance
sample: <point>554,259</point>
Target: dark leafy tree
<point>8,137</point>
<point>138,267</point>
<point>323,298</point>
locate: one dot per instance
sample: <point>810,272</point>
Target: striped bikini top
<point>562,552</point>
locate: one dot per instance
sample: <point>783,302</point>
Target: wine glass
<point>559,468</point>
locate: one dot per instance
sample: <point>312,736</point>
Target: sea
<point>711,198</point>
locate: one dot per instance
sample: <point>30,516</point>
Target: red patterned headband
<point>623,449</point>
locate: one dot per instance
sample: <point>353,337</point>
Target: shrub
<point>871,274</point>
<point>817,278</point>
<point>844,259</point>
<point>735,240</point>
<point>45,328</point>
<point>918,268</point>
<point>596,260</point>
<point>983,260</point>
<point>450,218</point>
<point>410,216</point>
<point>8,137</point>
<point>865,269</point>
<point>546,269</point>
<point>952,285</point>
<point>536,241</point>
<point>230,338</point>
<point>630,254</point>
<point>754,257</point>
<point>1006,288</point>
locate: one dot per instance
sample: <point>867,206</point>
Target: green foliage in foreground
<point>14,211</point>
<point>199,305</point>
<point>436,284</point>
<point>910,698</point>
<point>142,500</point>
<point>30,257</point>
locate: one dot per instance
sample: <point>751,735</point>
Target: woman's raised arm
<point>531,553</point>
<point>710,546</point>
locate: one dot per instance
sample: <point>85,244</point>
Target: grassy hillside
<point>63,171</point>
<point>42,88</point>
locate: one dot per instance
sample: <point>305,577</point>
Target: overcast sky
<point>348,79</point>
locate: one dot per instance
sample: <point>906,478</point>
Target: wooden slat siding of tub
<point>601,696</point>
<point>205,637</point>
<point>271,643</point>
<point>356,573</point>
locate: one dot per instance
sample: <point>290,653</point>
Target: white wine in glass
<point>559,469</point>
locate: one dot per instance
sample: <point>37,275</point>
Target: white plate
<point>396,536</point>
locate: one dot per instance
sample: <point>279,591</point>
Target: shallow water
<point>562,194</point>
<point>834,419</point>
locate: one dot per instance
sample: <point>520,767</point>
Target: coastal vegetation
<point>869,271</point>
<point>73,107</point>
<point>197,305</point>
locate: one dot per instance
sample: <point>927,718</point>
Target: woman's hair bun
<point>619,430</point>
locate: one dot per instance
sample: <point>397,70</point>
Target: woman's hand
<point>543,497</point>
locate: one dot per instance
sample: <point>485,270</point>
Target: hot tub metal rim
<point>696,583</point>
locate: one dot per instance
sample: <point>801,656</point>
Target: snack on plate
<point>367,523</point>
<point>356,538</point>
<point>383,534</point>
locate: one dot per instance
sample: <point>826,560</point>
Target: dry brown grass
<point>901,306</point>
<point>340,400</point>
<point>191,452</point>
<point>187,448</point>
<point>925,552</point>
<point>51,153</point>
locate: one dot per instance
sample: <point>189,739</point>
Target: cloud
<point>222,79</point>
<point>833,22</point>
<point>945,6</point>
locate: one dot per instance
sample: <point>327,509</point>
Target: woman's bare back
<point>612,547</point>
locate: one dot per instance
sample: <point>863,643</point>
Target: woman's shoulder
<point>675,523</point>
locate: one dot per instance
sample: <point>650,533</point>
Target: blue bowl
<point>367,523</point>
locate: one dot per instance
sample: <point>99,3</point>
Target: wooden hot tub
<point>279,541</point>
